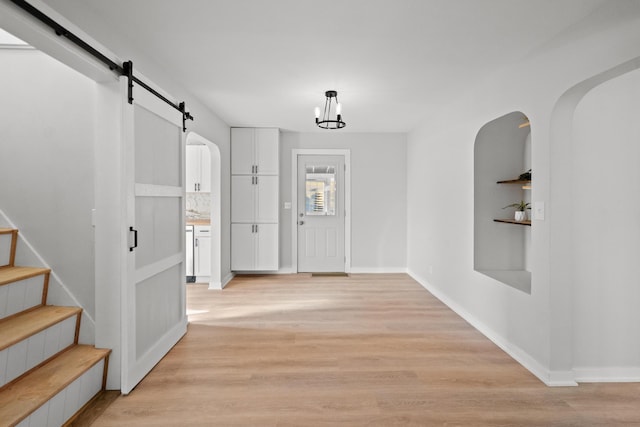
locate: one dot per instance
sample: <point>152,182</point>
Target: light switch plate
<point>538,211</point>
<point>287,205</point>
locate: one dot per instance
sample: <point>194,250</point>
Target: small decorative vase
<point>521,216</point>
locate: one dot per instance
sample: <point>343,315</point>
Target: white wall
<point>378,225</point>
<point>537,329</point>
<point>91,28</point>
<point>606,230</point>
<point>46,166</point>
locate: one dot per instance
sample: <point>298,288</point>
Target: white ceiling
<point>393,62</point>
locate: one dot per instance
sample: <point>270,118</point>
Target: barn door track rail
<point>126,69</point>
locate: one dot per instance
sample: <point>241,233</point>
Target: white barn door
<point>153,293</point>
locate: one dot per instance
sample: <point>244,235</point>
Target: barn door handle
<point>135,239</point>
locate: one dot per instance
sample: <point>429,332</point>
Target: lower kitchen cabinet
<point>254,247</point>
<point>202,251</point>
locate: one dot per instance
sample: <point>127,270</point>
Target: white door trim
<point>346,153</point>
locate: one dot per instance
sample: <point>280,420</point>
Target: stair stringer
<point>58,293</point>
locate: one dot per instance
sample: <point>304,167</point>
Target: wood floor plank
<point>375,350</point>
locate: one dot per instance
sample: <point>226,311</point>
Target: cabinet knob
<point>301,222</point>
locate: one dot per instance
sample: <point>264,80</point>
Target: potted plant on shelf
<point>521,210</point>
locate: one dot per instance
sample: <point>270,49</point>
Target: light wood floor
<point>333,351</point>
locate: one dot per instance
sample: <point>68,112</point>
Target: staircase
<point>46,377</point>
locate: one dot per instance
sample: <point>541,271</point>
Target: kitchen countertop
<point>194,221</point>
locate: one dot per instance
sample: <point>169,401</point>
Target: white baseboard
<point>226,280</point>
<point>556,378</point>
<point>286,270</point>
<point>608,375</point>
<point>377,270</point>
<point>354,270</point>
<point>216,286</point>
<point>550,378</point>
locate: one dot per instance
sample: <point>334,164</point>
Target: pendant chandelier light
<point>327,122</point>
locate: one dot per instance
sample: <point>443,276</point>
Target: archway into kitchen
<point>203,207</point>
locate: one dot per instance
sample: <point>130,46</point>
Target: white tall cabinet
<point>255,169</point>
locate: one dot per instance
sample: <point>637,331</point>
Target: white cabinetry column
<point>254,199</point>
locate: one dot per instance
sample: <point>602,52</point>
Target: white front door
<point>153,293</point>
<point>321,213</point>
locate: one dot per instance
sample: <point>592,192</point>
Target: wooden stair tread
<point>28,323</point>
<point>14,274</point>
<point>23,397</point>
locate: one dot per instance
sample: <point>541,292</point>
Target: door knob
<point>301,222</point>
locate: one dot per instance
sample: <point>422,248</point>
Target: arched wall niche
<point>502,152</point>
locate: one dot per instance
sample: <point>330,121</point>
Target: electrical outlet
<point>538,211</point>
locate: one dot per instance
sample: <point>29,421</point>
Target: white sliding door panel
<point>153,294</point>
<point>158,311</point>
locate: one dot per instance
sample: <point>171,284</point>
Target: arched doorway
<point>195,139</point>
<point>593,348</point>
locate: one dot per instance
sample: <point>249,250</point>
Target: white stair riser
<point>5,249</point>
<point>69,401</point>
<point>19,296</point>
<point>29,353</point>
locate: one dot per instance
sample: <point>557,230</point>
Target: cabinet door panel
<point>203,256</point>
<point>243,195</point>
<point>267,151</point>
<point>189,263</point>
<point>205,169</point>
<point>267,242</point>
<point>242,151</point>
<point>243,251</point>
<point>267,199</point>
<point>192,168</point>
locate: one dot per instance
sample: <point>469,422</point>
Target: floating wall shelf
<point>526,184</point>
<point>513,221</point>
<point>516,181</point>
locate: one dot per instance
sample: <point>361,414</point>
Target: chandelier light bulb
<point>339,108</point>
<point>317,111</point>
